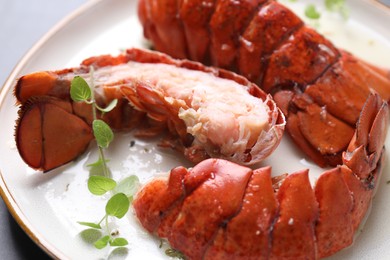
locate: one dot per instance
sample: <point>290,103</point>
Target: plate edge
<point>7,197</point>
<point>4,191</point>
<point>380,4</point>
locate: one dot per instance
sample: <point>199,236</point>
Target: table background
<point>22,24</point>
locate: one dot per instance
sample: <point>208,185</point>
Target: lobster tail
<point>37,133</point>
<point>268,44</point>
<point>180,96</point>
<point>270,217</point>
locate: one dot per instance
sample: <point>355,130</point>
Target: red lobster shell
<point>221,210</point>
<point>320,88</point>
<point>183,96</point>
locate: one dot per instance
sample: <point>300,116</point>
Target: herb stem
<point>102,158</point>
<point>100,222</point>
<point>92,86</point>
<point>94,116</point>
<point>119,202</point>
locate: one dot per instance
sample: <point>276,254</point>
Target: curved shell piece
<point>37,136</point>
<point>234,212</point>
<point>209,112</point>
<point>272,47</point>
<point>226,211</point>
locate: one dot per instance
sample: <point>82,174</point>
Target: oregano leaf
<point>99,185</point>
<point>119,241</point>
<point>102,133</point>
<point>98,163</point>
<point>99,168</point>
<point>90,224</point>
<point>118,205</point>
<point>337,6</point>
<point>102,242</point>
<point>311,12</point>
<point>79,89</point>
<point>334,5</point>
<point>129,186</point>
<point>110,106</point>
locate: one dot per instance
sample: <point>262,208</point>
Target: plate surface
<point>48,206</point>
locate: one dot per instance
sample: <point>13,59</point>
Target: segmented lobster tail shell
<point>320,88</point>
<point>220,210</point>
<point>365,149</point>
<point>37,133</point>
<point>184,97</point>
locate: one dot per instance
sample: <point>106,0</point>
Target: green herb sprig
<point>121,193</point>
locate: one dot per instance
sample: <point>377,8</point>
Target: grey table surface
<point>22,24</point>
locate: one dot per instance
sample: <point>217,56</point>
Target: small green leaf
<point>120,241</point>
<point>102,132</point>
<point>90,224</point>
<point>102,243</point>
<point>311,12</point>
<point>90,235</point>
<point>108,108</point>
<point>118,205</point>
<point>98,168</point>
<point>99,185</point>
<point>129,186</point>
<point>98,163</point>
<point>334,5</point>
<point>79,89</point>
<point>337,6</point>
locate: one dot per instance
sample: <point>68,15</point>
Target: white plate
<point>48,206</point>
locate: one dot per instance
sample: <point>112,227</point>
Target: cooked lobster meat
<point>320,88</point>
<point>221,210</point>
<point>208,111</point>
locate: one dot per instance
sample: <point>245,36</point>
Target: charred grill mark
<point>268,29</point>
<point>197,14</point>
<point>299,74</point>
<point>261,3</point>
<point>283,216</point>
<point>284,61</point>
<point>225,222</point>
